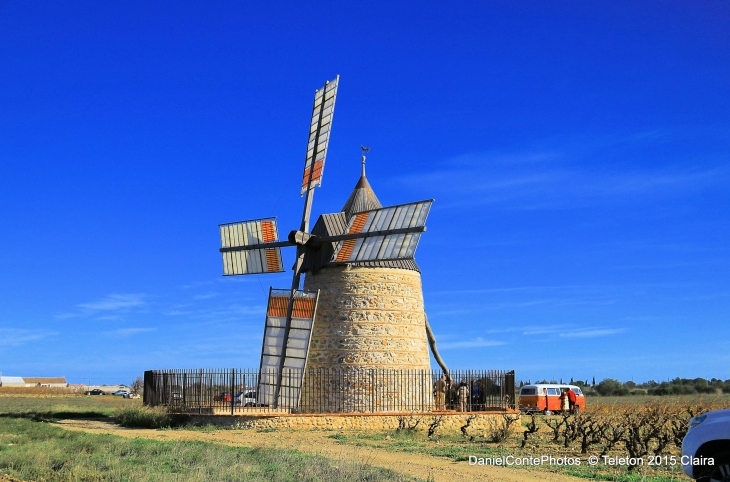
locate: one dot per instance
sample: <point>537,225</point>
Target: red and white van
<point>544,397</point>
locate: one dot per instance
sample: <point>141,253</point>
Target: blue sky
<point>578,153</point>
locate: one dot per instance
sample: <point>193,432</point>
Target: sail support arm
<point>300,238</point>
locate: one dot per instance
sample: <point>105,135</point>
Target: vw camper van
<point>544,397</point>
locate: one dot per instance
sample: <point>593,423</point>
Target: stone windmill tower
<point>360,314</point>
<point>370,313</point>
<point>370,318</point>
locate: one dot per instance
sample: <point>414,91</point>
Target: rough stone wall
<point>368,318</point>
<point>449,423</point>
<point>368,390</point>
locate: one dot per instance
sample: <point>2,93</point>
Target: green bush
<point>144,417</point>
<point>611,387</point>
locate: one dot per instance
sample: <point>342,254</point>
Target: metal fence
<point>347,390</point>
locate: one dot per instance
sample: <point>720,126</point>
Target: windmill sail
<point>290,343</point>
<point>319,134</point>
<point>252,261</point>
<point>379,242</point>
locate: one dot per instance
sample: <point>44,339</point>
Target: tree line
<point>677,386</point>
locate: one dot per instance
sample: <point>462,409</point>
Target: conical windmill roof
<point>362,198</point>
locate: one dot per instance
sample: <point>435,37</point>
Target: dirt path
<point>317,443</point>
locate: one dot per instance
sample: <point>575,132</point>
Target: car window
<point>528,391</point>
<point>553,391</point>
<point>577,391</point>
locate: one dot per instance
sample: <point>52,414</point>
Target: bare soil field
<point>417,465</point>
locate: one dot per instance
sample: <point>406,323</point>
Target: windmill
<point>364,234</point>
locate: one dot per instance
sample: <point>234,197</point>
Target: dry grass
<point>40,392</point>
<point>33,450</point>
<point>65,406</point>
<point>719,400</point>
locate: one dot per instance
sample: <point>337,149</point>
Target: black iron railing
<point>345,390</point>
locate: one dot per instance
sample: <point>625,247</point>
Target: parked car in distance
<point>131,395</point>
<point>223,397</point>
<point>245,399</point>
<point>706,447</point>
<point>120,393</point>
<point>95,391</point>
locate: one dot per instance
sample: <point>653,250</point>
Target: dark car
<point>96,391</point>
<point>223,397</point>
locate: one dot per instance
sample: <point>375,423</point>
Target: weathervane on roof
<point>364,150</point>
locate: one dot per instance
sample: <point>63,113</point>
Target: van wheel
<point>720,472</point>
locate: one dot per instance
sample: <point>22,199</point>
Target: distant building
<point>27,382</point>
<point>12,382</point>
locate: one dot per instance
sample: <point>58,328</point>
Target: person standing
<point>476,396</point>
<point>571,400</point>
<point>564,403</point>
<point>439,392</point>
<point>463,396</point>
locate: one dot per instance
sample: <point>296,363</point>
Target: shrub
<point>500,428</point>
<point>609,387</point>
<point>144,417</point>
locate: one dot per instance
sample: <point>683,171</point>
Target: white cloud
<point>222,313</point>
<point>115,302</point>
<point>196,285</point>
<point>591,333</point>
<point>206,296</point>
<point>475,343</point>
<point>17,337</point>
<point>66,316</point>
<point>568,174</point>
<point>543,330</point>
<point>129,331</point>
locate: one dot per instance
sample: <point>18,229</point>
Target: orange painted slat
<point>272,261</point>
<point>277,306</point>
<point>315,175</point>
<point>267,230</point>
<point>346,250</point>
<point>303,308</point>
<point>349,244</point>
<point>358,223</point>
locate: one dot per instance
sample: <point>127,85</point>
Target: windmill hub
<point>300,238</point>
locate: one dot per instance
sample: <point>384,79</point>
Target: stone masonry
<point>450,423</point>
<point>368,319</point>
